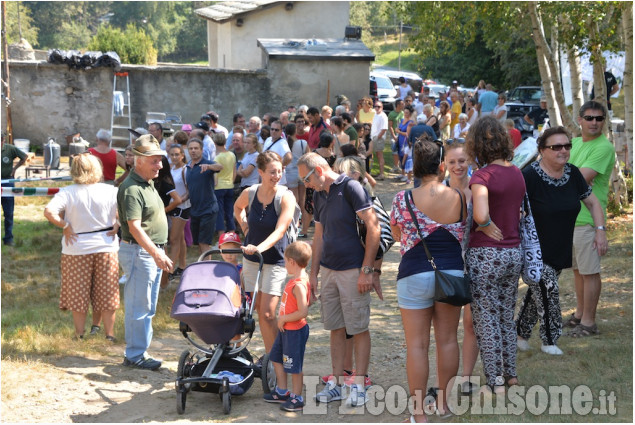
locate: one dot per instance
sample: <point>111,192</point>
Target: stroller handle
<point>229,251</point>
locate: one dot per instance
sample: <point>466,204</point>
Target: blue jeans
<point>8,204</point>
<point>141,294</point>
<point>225,217</point>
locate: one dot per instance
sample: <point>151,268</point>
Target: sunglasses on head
<point>598,118</point>
<point>558,148</point>
<point>459,140</point>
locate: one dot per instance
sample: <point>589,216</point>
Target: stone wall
<point>53,101</point>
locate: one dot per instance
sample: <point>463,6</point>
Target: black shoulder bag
<point>448,289</point>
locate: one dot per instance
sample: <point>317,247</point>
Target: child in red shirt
<point>287,352</point>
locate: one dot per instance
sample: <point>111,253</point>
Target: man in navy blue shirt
<point>347,269</point>
<point>200,184</point>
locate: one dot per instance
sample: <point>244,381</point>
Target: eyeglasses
<point>377,106</point>
<point>558,148</point>
<point>459,140</point>
<point>276,129</point>
<point>598,118</point>
<point>308,176</point>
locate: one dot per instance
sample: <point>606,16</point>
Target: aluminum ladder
<point>120,117</point>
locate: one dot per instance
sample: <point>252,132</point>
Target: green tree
<point>132,45</point>
<point>67,23</point>
<point>29,31</point>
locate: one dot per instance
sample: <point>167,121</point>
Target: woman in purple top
<point>494,257</point>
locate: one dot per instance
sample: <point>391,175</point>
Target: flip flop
<point>582,331</point>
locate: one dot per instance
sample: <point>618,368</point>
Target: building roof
<point>224,11</point>
<point>326,49</point>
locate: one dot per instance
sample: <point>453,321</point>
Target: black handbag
<point>448,289</point>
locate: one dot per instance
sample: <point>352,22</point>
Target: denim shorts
<point>288,349</point>
<point>416,292</point>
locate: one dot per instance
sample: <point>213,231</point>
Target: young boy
<point>287,353</point>
<point>230,240</point>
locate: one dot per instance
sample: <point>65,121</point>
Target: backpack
<point>293,229</point>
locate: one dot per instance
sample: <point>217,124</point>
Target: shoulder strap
<point>409,201</point>
<point>460,196</point>
<point>251,192</point>
<point>277,199</point>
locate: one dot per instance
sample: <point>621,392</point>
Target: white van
<point>386,92</point>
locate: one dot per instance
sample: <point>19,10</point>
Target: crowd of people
<point>213,183</point>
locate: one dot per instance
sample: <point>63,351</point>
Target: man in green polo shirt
<point>594,155</point>
<point>394,118</point>
<point>9,154</point>
<point>144,233</point>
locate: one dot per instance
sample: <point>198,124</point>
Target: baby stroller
<point>209,302</point>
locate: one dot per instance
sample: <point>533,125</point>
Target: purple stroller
<point>209,302</point>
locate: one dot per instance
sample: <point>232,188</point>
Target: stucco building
<point>234,27</point>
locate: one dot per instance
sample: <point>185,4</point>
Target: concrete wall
<point>51,100</point>
<point>231,46</point>
<point>302,81</point>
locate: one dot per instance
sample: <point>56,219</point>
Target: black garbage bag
<point>73,59</point>
<point>89,59</point>
<point>109,59</point>
<point>56,56</point>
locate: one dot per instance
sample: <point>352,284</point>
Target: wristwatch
<point>367,270</point>
<point>600,228</point>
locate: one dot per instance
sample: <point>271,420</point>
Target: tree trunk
<point>627,84</point>
<point>595,48</point>
<point>543,53</point>
<point>573,58</point>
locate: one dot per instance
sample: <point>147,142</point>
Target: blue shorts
<point>416,292</point>
<point>288,349</point>
<point>203,229</point>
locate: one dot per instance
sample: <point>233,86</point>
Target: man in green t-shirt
<point>9,154</point>
<point>394,118</point>
<point>594,155</point>
<point>144,233</point>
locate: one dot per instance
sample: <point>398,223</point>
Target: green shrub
<point>132,45</point>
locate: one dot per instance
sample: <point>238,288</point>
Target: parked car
<point>386,92</point>
<point>522,100</point>
<point>415,81</point>
<point>436,88</point>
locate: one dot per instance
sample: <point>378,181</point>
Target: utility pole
<point>400,31</point>
<point>5,73</point>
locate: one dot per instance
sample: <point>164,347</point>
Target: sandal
<point>510,381</point>
<point>582,331</point>
<point>571,322</point>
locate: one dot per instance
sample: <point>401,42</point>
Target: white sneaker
<point>357,397</point>
<point>123,280</point>
<point>330,393</point>
<point>403,179</point>
<point>523,344</point>
<point>552,349</point>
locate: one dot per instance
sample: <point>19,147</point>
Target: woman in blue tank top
<point>264,231</point>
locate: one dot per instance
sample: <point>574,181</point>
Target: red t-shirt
<point>288,303</point>
<point>314,134</point>
<point>516,137</point>
<point>108,162</point>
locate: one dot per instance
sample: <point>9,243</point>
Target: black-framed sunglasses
<point>558,148</point>
<point>598,118</point>
<point>459,140</point>
<point>308,176</point>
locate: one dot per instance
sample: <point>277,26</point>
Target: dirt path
<point>99,389</point>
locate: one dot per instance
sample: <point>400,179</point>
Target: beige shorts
<point>585,257</point>
<point>90,279</point>
<point>379,144</point>
<point>341,304</point>
<point>273,278</point>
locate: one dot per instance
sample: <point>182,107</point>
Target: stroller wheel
<point>226,397</point>
<point>183,369</point>
<point>181,397</point>
<point>268,375</point>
